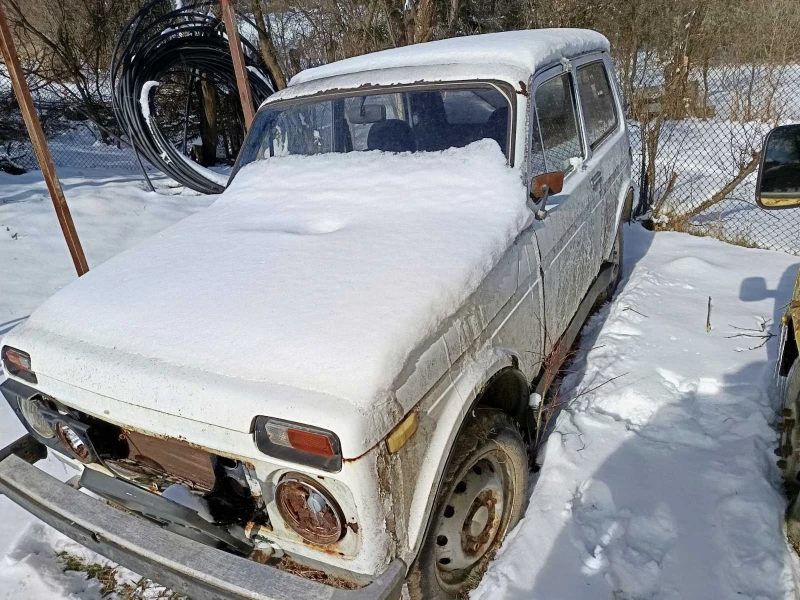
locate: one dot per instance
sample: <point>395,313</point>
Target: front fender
<point>422,462</point>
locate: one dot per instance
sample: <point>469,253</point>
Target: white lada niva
<point>339,366</point>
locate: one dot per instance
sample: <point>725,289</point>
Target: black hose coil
<point>162,40</point>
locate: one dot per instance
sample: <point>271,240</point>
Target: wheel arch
<point>467,393</point>
<point>626,206</point>
<point>507,390</point>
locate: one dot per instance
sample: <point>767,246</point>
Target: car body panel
<point>568,237</point>
<point>789,348</point>
<point>508,324</point>
<point>611,158</point>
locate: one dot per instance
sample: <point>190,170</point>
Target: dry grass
<point>670,222</point>
<point>290,566</point>
<point>147,590</point>
<point>106,575</point>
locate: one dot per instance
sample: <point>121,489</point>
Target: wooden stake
<point>40,147</point>
<point>242,80</point>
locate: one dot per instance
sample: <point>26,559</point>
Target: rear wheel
<point>481,498</point>
<point>615,260</point>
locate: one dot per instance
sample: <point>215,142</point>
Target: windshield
<point>398,121</point>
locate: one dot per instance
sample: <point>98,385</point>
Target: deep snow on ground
<point>658,484</point>
<point>659,480</point>
<point>111,211</point>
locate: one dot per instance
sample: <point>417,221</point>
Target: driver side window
<point>558,124</point>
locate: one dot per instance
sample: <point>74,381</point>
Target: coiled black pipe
<point>162,40</point>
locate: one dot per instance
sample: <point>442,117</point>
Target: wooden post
<point>40,147</point>
<point>242,80</point>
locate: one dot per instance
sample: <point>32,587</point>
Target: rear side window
<point>558,123</point>
<point>597,102</point>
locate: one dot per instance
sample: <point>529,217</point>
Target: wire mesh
<point>76,141</point>
<point>696,166</point>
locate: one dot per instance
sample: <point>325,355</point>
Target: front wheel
<point>481,498</point>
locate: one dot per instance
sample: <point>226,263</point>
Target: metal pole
<point>242,80</point>
<point>139,161</point>
<point>40,147</point>
<point>184,149</point>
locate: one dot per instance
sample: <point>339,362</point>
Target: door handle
<point>596,179</point>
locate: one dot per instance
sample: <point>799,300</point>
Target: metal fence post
<point>242,80</point>
<point>40,147</point>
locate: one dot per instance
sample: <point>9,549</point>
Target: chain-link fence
<point>76,140</point>
<point>696,152</point>
<point>696,164</point>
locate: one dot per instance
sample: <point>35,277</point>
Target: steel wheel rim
<point>472,518</point>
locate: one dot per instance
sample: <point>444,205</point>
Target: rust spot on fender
<point>383,466</point>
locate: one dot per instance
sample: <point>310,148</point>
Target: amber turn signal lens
<point>299,443</point>
<point>305,441</point>
<point>18,363</point>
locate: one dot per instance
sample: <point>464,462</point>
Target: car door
<point>606,137</point>
<point>569,238</point>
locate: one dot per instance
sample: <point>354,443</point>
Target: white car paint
<point>500,325</point>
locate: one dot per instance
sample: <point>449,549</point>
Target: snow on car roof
<point>525,50</point>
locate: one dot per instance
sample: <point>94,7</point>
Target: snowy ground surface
<point>659,479</point>
<point>111,212</point>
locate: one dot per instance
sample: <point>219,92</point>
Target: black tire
<point>490,448</point>
<point>789,444</point>
<point>788,449</point>
<point>614,259</point>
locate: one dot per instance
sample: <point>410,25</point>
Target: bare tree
<point>67,46</point>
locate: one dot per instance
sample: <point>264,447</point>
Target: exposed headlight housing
<point>73,442</point>
<point>309,509</point>
<point>31,409</point>
<point>301,444</point>
<point>18,363</point>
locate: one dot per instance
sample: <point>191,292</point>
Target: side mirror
<point>542,186</point>
<point>778,183</point>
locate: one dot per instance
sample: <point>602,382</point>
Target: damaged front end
<point>204,496</point>
<point>182,494</point>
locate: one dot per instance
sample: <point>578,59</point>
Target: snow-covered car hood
<point>316,274</point>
